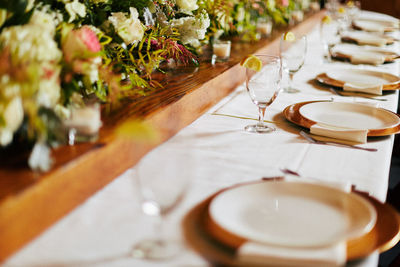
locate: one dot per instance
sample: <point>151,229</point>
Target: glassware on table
<point>263,87</point>
<point>221,51</point>
<point>292,53</point>
<point>342,16</point>
<point>329,35</point>
<point>163,177</point>
<point>353,8</point>
<point>264,27</point>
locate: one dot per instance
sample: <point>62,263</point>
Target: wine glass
<point>293,53</point>
<point>263,87</point>
<point>329,36</point>
<point>162,177</point>
<point>353,8</point>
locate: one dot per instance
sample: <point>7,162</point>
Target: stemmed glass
<point>293,53</point>
<point>329,35</point>
<point>263,87</point>
<point>162,177</point>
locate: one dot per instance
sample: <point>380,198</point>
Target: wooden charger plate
<point>325,79</point>
<point>196,228</point>
<point>292,114</point>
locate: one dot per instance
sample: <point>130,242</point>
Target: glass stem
<point>261,114</point>
<point>159,233</point>
<point>291,74</point>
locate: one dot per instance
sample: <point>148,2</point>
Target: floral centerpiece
<point>58,57</point>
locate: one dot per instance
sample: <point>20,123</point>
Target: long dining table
<point>103,230</point>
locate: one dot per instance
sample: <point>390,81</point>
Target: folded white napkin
<point>269,255</point>
<point>363,38</point>
<point>370,26</point>
<point>364,88</point>
<point>339,133</point>
<point>364,57</point>
<point>369,40</point>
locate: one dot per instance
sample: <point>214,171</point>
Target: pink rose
<point>80,43</point>
<point>284,3</point>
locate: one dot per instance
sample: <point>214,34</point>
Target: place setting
<point>367,38</point>
<point>356,54</point>
<point>359,83</point>
<point>381,24</point>
<point>343,121</point>
<point>269,224</point>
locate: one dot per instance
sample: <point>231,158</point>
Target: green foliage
<point>19,16</point>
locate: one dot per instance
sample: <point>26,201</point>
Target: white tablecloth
<point>102,231</point>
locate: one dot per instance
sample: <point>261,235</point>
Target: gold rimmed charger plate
<point>292,114</point>
<point>325,79</point>
<point>196,228</point>
<point>336,215</point>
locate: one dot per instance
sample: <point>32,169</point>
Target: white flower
<point>45,20</point>
<point>30,43</point>
<point>305,4</point>
<point>187,5</point>
<point>30,4</point>
<point>271,4</point>
<point>128,27</point>
<point>192,29</point>
<point>49,91</point>
<point>12,115</point>
<point>240,15</point>
<point>75,8</point>
<point>89,68</point>
<point>40,158</point>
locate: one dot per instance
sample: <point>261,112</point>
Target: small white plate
<point>349,115</point>
<point>363,77</point>
<point>292,214</point>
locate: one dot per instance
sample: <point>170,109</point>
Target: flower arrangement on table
<point>58,58</point>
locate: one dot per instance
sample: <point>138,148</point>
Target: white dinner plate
<point>363,77</point>
<point>292,214</point>
<point>350,115</point>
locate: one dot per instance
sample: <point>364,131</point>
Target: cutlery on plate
<point>315,141</point>
<point>337,92</point>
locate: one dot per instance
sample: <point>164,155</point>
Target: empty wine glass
<point>329,35</point>
<point>263,87</point>
<point>293,53</point>
<point>163,177</point>
<point>353,8</point>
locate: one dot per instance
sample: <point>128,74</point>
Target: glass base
<point>291,90</point>
<point>259,128</point>
<point>154,249</point>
